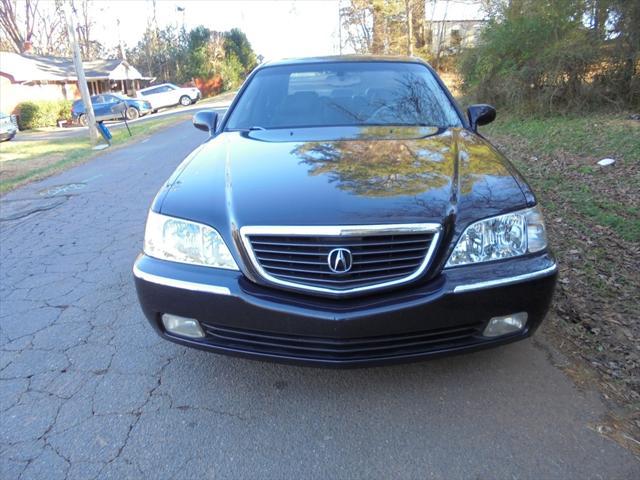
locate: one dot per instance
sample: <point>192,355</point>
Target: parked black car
<point>345,212</point>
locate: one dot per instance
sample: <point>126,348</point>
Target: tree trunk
<point>377,43</point>
<point>408,7</point>
<point>418,19</point>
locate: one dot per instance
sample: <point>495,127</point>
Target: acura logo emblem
<point>339,260</point>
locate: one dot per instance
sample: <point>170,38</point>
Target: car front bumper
<point>145,108</point>
<point>445,315</point>
<point>8,129</point>
<point>8,133</point>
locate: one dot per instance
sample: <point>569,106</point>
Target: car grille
<point>380,256</point>
<point>342,349</point>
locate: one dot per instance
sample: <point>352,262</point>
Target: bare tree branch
<point>9,24</point>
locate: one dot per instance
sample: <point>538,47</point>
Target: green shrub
<point>231,72</point>
<point>64,112</point>
<point>546,57</point>
<point>42,113</point>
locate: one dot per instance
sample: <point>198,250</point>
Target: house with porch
<point>452,25</point>
<point>32,77</point>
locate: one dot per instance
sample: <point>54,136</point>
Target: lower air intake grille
<point>342,349</point>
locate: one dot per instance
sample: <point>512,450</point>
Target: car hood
<point>346,176</point>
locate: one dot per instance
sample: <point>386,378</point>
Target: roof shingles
<point>32,68</point>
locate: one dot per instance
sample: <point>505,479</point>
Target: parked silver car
<point>8,127</point>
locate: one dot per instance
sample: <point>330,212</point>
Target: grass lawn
<point>577,144</point>
<point>593,217</point>
<point>24,161</point>
<point>592,135</point>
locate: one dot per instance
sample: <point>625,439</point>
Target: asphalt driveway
<point>87,389</point>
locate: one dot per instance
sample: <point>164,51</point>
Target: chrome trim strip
<point>172,282</point>
<point>505,281</point>
<point>341,231</point>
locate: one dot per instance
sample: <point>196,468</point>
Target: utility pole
<point>82,81</point>
<point>123,54</point>
<point>180,9</point>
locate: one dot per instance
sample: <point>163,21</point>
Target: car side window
<point>97,99</point>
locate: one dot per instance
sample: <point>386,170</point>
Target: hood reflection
<point>383,167</point>
<point>322,176</point>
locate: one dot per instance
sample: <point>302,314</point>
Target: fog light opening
<point>185,327</point>
<point>498,326</point>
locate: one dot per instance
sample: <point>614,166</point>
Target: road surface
<point>87,389</point>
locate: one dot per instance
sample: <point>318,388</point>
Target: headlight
<point>504,236</point>
<point>177,240</point>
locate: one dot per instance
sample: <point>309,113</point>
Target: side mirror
<point>206,120</point>
<point>480,114</point>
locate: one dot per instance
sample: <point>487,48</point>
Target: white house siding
<point>11,94</point>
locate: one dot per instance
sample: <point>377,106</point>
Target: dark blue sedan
<point>108,106</point>
<point>345,212</point>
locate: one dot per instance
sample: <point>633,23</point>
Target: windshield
<point>343,94</point>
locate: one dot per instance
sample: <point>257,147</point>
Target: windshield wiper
<point>249,129</point>
<point>391,125</point>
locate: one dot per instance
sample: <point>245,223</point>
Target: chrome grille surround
<point>340,234</point>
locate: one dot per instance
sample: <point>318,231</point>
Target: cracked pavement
<point>89,391</point>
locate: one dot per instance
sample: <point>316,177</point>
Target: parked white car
<point>168,95</point>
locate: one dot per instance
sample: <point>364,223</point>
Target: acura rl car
<point>345,212</point>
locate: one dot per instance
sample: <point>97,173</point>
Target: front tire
<point>185,101</point>
<point>82,120</point>
<point>132,113</point>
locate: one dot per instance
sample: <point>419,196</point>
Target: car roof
<point>343,58</point>
<point>154,86</point>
